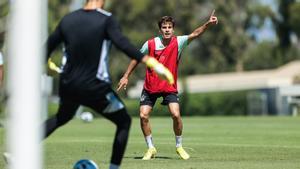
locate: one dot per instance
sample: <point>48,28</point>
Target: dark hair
<point>165,19</point>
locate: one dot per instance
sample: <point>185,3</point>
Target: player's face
<point>167,30</point>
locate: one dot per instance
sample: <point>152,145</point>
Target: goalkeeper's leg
<point>66,111</point>
<point>123,122</point>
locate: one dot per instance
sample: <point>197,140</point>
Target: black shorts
<point>107,102</point>
<point>150,99</point>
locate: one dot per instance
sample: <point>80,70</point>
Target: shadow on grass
<point>156,157</point>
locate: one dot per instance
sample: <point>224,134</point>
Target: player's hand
<point>160,69</point>
<point>122,83</point>
<point>213,19</point>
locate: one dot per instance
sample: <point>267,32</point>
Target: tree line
<point>230,46</point>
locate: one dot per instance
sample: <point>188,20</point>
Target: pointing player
<point>166,48</point>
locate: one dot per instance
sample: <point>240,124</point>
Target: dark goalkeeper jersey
<point>87,36</point>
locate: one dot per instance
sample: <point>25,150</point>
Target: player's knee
<point>176,116</point>
<point>144,116</point>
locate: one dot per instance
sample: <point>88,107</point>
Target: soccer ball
<point>86,117</point>
<point>85,164</point>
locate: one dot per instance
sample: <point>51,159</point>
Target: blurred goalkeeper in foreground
<point>167,49</point>
<point>87,35</point>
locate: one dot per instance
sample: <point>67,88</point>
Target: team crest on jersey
<point>162,58</point>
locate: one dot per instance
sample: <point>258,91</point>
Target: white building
<point>279,87</point>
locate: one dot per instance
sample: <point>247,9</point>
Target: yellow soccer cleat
<point>182,153</point>
<point>151,152</point>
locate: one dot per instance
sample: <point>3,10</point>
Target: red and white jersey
<point>167,55</point>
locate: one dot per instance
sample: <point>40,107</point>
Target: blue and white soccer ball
<point>85,164</point>
<point>86,117</point>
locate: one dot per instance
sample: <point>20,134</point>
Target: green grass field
<point>213,143</point>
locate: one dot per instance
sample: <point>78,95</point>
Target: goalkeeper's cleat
<point>182,153</point>
<point>151,152</point>
<point>160,69</point>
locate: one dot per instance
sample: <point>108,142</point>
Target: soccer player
<point>87,35</point>
<point>166,48</point>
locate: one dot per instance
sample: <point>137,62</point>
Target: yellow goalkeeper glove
<point>53,66</point>
<point>160,69</point>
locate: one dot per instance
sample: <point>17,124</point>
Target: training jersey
<point>87,36</point>
<point>169,56</point>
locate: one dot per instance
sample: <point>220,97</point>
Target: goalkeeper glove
<point>160,69</point>
<point>53,66</point>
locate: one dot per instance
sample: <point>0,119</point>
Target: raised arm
<point>213,20</point>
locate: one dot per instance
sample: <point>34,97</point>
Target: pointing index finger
<point>213,13</point>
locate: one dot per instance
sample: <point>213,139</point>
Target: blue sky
<point>267,32</point>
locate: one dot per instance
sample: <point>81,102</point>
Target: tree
<point>222,48</point>
<point>56,10</point>
<point>294,19</point>
<point>4,8</point>
<point>283,27</point>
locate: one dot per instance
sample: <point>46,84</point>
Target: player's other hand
<point>122,83</point>
<point>213,19</point>
<point>160,69</point>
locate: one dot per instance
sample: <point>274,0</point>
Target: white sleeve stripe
<point>1,59</point>
<point>104,12</point>
<point>103,70</point>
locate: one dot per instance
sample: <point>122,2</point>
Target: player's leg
<point>146,103</point>
<point>66,112</point>
<point>112,108</point>
<point>173,105</point>
<point>177,121</point>
<point>145,111</point>
<point>123,122</point>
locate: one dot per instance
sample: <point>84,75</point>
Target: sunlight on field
<point>213,142</point>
